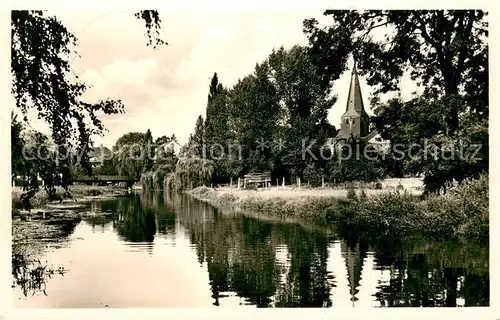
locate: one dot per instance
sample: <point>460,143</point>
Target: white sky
<point>165,90</point>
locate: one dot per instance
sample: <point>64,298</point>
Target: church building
<point>355,122</point>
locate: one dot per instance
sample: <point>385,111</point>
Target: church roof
<point>351,113</point>
<point>371,135</point>
<point>354,99</point>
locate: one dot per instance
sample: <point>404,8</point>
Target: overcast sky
<point>165,90</point>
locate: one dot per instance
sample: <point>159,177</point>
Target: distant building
<point>355,122</point>
<point>172,147</point>
<point>98,155</point>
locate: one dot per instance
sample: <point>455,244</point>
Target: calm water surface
<point>172,251</point>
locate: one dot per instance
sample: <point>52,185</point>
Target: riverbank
<point>79,194</point>
<point>283,202</point>
<point>47,216</point>
<point>461,213</point>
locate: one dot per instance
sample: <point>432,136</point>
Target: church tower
<point>355,120</point>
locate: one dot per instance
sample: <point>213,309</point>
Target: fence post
<point>298,182</point>
<point>231,183</point>
<point>283,182</point>
<point>322,182</point>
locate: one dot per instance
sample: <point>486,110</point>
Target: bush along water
<point>463,212</point>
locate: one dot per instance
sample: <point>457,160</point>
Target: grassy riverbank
<point>460,213</point>
<point>284,202</point>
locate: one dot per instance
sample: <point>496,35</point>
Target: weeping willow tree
<point>189,173</point>
<point>155,179</point>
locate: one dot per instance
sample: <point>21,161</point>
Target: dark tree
<point>148,148</point>
<point>445,51</point>
<point>199,137</point>
<point>41,53</point>
<point>17,145</point>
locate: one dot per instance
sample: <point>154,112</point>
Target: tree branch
<point>464,48</point>
<point>425,35</point>
<point>439,50</point>
<point>365,34</point>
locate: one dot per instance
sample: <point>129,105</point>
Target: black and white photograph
<point>322,158</point>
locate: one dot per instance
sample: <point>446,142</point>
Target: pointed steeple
<point>354,99</point>
<point>355,120</point>
<point>354,256</point>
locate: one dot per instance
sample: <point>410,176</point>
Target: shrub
<point>351,194</point>
<point>343,212</point>
<point>362,195</point>
<point>251,186</point>
<point>312,175</point>
<point>201,190</point>
<point>95,191</point>
<point>391,212</point>
<point>462,212</point>
<point>355,166</point>
<point>16,202</point>
<point>227,198</point>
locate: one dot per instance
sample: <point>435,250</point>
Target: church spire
<point>354,99</point>
<point>355,120</point>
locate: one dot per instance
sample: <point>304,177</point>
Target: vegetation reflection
<point>275,264</point>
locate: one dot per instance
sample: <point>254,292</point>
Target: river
<point>160,250</point>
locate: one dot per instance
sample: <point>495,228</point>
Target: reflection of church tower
<point>355,120</point>
<point>354,256</point>
<point>93,207</point>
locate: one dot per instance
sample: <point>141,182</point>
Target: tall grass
<point>41,198</point>
<point>391,212</point>
<point>463,212</point>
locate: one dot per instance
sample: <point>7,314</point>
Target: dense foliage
<point>446,54</point>
<point>41,53</point>
<point>262,122</point>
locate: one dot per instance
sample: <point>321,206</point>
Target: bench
<point>257,178</point>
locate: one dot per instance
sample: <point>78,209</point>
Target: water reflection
<point>423,273</point>
<point>135,223</point>
<point>242,257</point>
<point>266,263</point>
<point>32,276</point>
<point>29,273</point>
